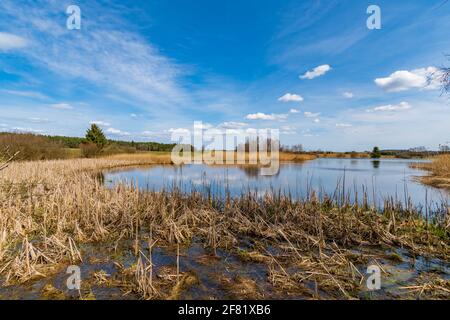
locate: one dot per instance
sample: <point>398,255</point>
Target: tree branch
<point>5,163</point>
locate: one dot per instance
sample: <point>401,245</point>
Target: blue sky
<point>144,69</point>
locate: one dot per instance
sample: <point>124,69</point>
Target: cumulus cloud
<point>391,107</point>
<point>288,97</point>
<point>61,106</point>
<point>179,131</point>
<point>100,123</point>
<point>263,116</point>
<point>348,95</point>
<point>316,120</point>
<point>117,132</point>
<point>311,114</point>
<point>10,41</point>
<point>294,111</point>
<point>403,80</point>
<point>316,72</point>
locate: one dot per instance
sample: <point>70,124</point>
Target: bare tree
<point>445,80</point>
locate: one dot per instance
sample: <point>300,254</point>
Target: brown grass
<point>439,169</point>
<point>142,157</point>
<point>50,209</point>
<point>164,157</point>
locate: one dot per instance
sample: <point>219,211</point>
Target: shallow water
<point>378,179</point>
<point>221,274</point>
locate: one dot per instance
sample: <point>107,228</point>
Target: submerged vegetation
<point>169,245</point>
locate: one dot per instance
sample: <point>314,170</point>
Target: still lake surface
<point>386,178</point>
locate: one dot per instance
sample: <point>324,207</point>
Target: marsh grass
<point>439,169</point>
<point>310,248</point>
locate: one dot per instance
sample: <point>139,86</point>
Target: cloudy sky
<point>144,69</point>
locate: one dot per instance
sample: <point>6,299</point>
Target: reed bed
<point>164,157</point>
<point>310,248</point>
<point>439,169</point>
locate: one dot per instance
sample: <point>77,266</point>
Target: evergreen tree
<point>96,135</point>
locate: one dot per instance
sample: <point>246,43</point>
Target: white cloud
<point>316,120</point>
<point>424,78</point>
<point>148,133</point>
<point>343,125</point>
<point>311,115</point>
<point>348,95</point>
<point>133,115</point>
<point>287,130</point>
<point>38,120</point>
<point>263,116</point>
<point>115,60</point>
<point>391,107</point>
<point>288,97</point>
<point>27,94</point>
<point>26,130</point>
<point>202,126</point>
<point>100,123</point>
<point>294,111</point>
<point>61,106</point>
<point>316,72</point>
<point>179,131</point>
<point>10,41</point>
<point>232,125</point>
<point>117,132</point>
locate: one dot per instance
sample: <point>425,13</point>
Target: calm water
<point>387,178</point>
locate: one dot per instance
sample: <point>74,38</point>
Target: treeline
<point>30,147</point>
<point>75,142</point>
<point>145,146</point>
<point>39,147</point>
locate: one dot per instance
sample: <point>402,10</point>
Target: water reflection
<point>251,171</point>
<point>376,164</point>
<point>385,178</point>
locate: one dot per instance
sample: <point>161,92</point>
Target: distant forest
<point>74,142</point>
<point>27,146</point>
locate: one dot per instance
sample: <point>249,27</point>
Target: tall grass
<point>50,208</point>
<point>439,169</point>
<point>441,166</point>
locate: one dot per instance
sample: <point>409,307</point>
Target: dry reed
<point>49,208</point>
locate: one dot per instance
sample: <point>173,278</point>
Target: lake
<point>379,179</point>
